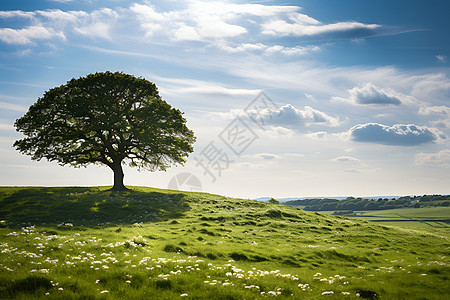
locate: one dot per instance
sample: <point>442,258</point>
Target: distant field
<point>434,219</point>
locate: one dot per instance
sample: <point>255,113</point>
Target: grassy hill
<point>89,243</point>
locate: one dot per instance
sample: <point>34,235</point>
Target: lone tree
<point>106,118</point>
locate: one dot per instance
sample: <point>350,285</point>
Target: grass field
<point>89,243</point>
<point>433,219</point>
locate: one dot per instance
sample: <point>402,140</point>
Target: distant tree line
<point>356,204</point>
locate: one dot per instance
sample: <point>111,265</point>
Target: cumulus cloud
<point>291,116</point>
<point>369,94</point>
<point>396,135</point>
<point>285,116</point>
<point>441,158</point>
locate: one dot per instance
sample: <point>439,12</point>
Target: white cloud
<point>345,159</point>
<point>150,20</point>
<point>396,135</point>
<point>192,86</point>
<point>55,23</point>
<point>185,33</point>
<point>11,106</point>
<point>198,20</point>
<point>412,87</point>
<point>210,27</point>
<point>285,116</point>
<point>430,87</point>
<point>320,135</point>
<point>16,13</point>
<point>201,20</point>
<point>99,23</point>
<point>95,30</point>
<point>58,15</point>
<point>215,89</point>
<point>299,28</point>
<point>291,116</point>
<point>278,132</point>
<point>7,127</point>
<point>147,13</point>
<point>440,111</point>
<point>26,35</point>
<point>244,47</point>
<point>204,21</point>
<point>441,158</point>
<point>441,58</point>
<point>435,110</point>
<point>259,47</point>
<point>231,10</point>
<point>369,94</point>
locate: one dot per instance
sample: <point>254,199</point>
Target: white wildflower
<point>327,293</point>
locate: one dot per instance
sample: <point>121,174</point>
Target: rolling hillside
<point>89,243</point>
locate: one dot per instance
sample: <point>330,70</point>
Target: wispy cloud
<point>267,49</point>
<point>441,158</point>
<point>7,127</point>
<point>441,58</point>
<point>27,35</point>
<point>193,86</point>
<point>301,28</point>
<point>11,106</point>
<point>435,110</point>
<point>16,13</point>
<point>345,159</point>
<point>263,156</point>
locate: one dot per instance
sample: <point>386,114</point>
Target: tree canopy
<point>106,118</point>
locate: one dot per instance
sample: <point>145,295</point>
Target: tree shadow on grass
<point>85,206</point>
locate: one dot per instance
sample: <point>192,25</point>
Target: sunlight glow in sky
<point>358,91</point>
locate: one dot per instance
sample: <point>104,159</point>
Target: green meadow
<point>90,243</point>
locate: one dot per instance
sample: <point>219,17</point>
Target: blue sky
<point>356,93</point>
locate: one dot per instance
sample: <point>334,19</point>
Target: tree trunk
<point>118,177</point>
